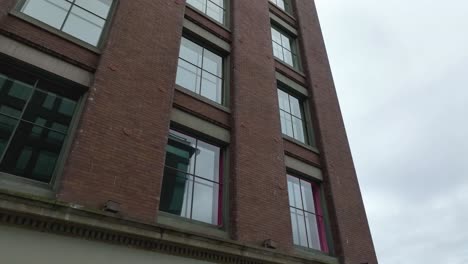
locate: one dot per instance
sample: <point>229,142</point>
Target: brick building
<point>173,131</point>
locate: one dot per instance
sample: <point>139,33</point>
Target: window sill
<point>203,99</point>
<point>323,257</point>
<point>223,26</point>
<point>192,226</point>
<point>55,31</point>
<point>300,144</point>
<point>15,184</point>
<point>296,70</point>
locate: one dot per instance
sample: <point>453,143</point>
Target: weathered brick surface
<point>118,153</point>
<point>349,223</point>
<point>259,191</point>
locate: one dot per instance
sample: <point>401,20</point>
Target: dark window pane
<point>7,125</point>
<point>176,194</point>
<point>45,147</point>
<point>13,96</point>
<point>44,109</point>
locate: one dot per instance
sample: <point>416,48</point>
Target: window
<point>83,19</point>
<point>200,71</point>
<point>212,8</point>
<point>282,4</point>
<point>35,119</point>
<point>293,123</point>
<point>192,182</point>
<point>284,47</point>
<point>306,214</point>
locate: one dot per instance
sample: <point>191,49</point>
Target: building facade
<point>150,131</point>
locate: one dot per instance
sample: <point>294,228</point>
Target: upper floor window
<point>284,47</point>
<point>83,19</point>
<point>35,120</point>
<point>192,182</point>
<point>293,122</point>
<point>200,71</point>
<point>215,9</point>
<point>285,5</point>
<point>306,214</point>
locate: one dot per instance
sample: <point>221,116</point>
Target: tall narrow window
<point>284,47</point>
<point>200,71</point>
<point>83,19</point>
<point>192,183</point>
<point>213,8</point>
<point>282,4</point>
<point>35,119</point>
<point>306,214</point>
<point>292,116</point>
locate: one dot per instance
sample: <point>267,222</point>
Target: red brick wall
<point>349,223</point>
<point>118,153</point>
<point>259,189</point>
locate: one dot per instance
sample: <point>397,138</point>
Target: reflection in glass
<point>200,71</point>
<point>191,179</point>
<point>51,12</point>
<point>212,8</point>
<point>84,25</point>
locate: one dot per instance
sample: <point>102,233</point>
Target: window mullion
<point>291,115</point>
<point>304,213</point>
<point>20,118</point>
<point>201,70</point>
<point>193,177</point>
<point>68,14</point>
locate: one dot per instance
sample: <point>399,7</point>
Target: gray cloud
<point>400,68</point>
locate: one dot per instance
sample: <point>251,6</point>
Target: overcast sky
<point>401,72</point>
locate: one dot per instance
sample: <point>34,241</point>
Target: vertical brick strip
<point>259,192</point>
<point>119,152</point>
<point>353,241</point>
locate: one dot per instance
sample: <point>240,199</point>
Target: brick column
<point>259,197</point>
<point>118,153</point>
<point>353,241</point>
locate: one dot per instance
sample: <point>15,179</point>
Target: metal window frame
<point>205,44</point>
<point>223,208</point>
<point>30,186</point>
<point>306,127</point>
<point>102,38</point>
<point>293,38</point>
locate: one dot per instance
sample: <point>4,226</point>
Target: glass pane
<point>312,231</point>
<point>211,87</point>
<point>51,12</point>
<point>276,36</point>
<point>205,201</point>
<point>7,125</point>
<point>191,52</point>
<point>213,63</point>
<point>180,152</point>
<point>286,123</point>
<point>298,227</point>
<point>294,192</point>
<point>43,109</point>
<point>207,161</point>
<point>44,156</point>
<point>188,76</point>
<point>280,4</point>
<point>285,42</point>
<point>13,96</point>
<point>98,7</point>
<point>288,57</point>
<point>277,51</point>
<point>298,127</point>
<point>84,25</point>
<point>219,3</point>
<point>176,193</point>
<point>295,107</point>
<point>307,196</point>
<point>283,101</point>
<point>198,4</point>
<point>216,12</point>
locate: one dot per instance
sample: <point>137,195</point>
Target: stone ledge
<point>70,220</point>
